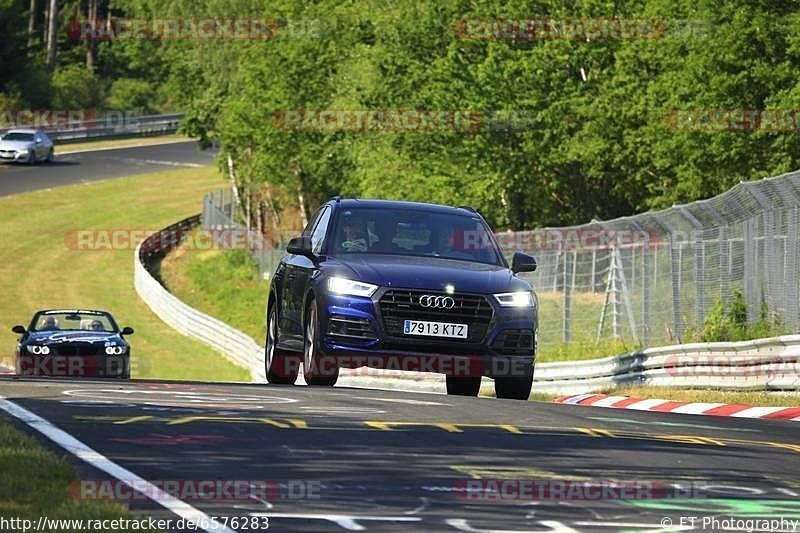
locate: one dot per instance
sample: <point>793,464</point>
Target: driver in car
<point>49,322</point>
<point>355,235</point>
<point>96,325</point>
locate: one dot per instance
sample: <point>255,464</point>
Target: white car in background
<point>26,146</point>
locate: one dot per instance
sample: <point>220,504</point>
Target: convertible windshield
<point>73,322</point>
<point>16,136</point>
<point>415,233</point>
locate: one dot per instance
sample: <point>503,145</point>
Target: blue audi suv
<point>404,286</point>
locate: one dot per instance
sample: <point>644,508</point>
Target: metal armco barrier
<point>232,343</point>
<point>124,125</point>
<point>763,364</point>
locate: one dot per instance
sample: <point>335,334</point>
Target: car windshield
<point>68,321</point>
<point>17,136</point>
<point>410,232</point>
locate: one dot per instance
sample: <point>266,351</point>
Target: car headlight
<point>38,350</point>
<point>350,287</point>
<point>515,299</point>
<point>114,350</point>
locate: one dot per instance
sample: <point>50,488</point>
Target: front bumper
<point>73,366</point>
<point>354,336</point>
<point>14,157</point>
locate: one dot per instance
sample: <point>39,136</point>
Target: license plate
<point>435,329</point>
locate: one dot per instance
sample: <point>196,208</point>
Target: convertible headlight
<point>515,299</point>
<point>350,287</point>
<point>115,350</point>
<point>38,350</point>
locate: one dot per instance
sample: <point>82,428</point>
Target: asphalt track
<point>84,167</point>
<point>368,460</point>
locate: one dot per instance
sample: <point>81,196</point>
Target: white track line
<point>101,462</point>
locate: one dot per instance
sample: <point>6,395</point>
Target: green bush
<point>730,324</point>
<point>74,87</point>
<point>130,94</point>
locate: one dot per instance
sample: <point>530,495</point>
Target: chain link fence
<point>649,279</point>
<point>220,213</point>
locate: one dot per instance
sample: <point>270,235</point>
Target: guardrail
<point>114,126</point>
<point>763,364</point>
<point>237,346</point>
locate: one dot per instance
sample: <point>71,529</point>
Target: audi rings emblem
<point>439,302</point>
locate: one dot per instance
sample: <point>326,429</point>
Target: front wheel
<point>318,369</point>
<point>513,388</point>
<point>276,362</point>
<point>457,386</point>
<point>50,156</point>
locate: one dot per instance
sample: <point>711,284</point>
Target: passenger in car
<point>49,322</point>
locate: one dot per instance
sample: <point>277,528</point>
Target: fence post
<point>724,259</point>
<point>770,264</point>
<point>792,318</point>
<point>565,325</point>
<point>699,276</point>
<point>645,295</point>
<point>750,274</point>
<point>675,275</point>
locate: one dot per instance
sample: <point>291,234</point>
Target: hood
<point>431,273</point>
<point>15,145</point>
<point>57,337</point>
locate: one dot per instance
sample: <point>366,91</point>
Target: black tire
<point>457,386</point>
<point>32,157</point>
<point>513,388</point>
<point>50,156</point>
<point>318,369</point>
<point>277,362</point>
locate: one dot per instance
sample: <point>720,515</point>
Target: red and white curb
<point>669,406</point>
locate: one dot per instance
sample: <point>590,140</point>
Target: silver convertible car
<point>26,146</point>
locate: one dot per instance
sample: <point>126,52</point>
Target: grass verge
<point>123,142</point>
<point>759,398</point>
<point>35,483</point>
<point>38,269</point>
<point>223,284</point>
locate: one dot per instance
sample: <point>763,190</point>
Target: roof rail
<point>336,198</point>
<point>468,208</point>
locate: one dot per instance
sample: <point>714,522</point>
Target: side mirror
<point>522,263</point>
<point>19,329</point>
<point>300,246</point>
<point>127,330</point>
